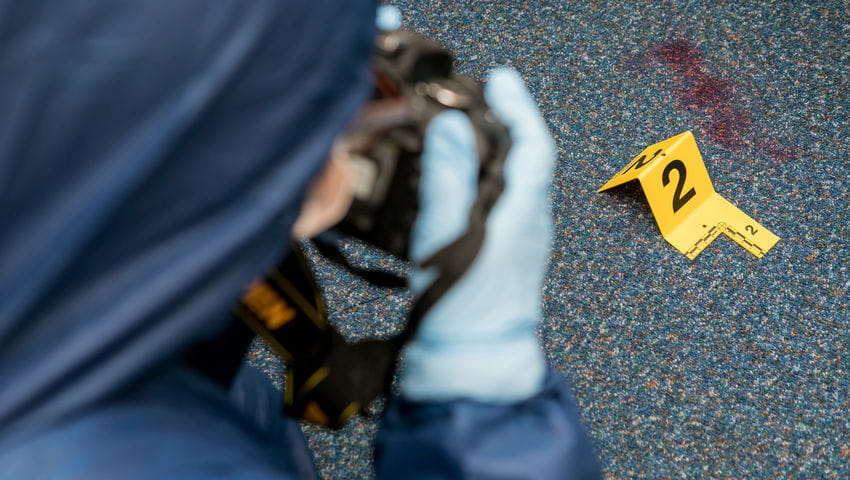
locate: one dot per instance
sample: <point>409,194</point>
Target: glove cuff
<point>505,371</point>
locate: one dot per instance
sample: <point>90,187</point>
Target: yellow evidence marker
<point>689,213</point>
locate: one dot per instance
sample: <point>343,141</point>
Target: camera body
<point>413,82</point>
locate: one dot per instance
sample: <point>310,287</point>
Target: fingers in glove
<point>448,184</point>
<point>532,157</point>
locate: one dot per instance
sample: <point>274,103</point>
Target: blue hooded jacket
<point>153,156</point>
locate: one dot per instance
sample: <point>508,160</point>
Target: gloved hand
<point>479,341</point>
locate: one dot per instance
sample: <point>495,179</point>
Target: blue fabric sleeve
<point>539,438</point>
<point>176,426</point>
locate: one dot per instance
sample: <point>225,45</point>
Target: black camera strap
<point>454,259</point>
<point>329,379</point>
<point>331,251</point>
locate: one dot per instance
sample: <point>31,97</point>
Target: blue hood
<point>153,156</point>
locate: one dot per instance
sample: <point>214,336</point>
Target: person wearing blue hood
<point>154,156</point>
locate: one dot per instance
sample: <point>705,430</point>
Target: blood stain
<point>696,89</point>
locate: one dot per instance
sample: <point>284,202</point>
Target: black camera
<point>413,82</point>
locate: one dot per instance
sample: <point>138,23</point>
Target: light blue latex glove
<point>479,341</point>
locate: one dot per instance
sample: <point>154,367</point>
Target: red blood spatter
<point>714,97</point>
<point>682,56</point>
<point>703,92</point>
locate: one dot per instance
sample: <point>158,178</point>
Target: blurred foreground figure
<point>153,158</point>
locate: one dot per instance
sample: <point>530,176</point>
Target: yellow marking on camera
<point>312,382</point>
<point>250,319</point>
<point>265,302</point>
<point>302,303</point>
<point>313,413</point>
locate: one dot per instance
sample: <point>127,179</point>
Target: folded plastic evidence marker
<point>689,213</point>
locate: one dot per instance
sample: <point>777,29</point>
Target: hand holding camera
<point>479,341</point>
<point>427,170</point>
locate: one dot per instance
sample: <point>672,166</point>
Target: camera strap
<point>454,259</point>
<point>329,379</point>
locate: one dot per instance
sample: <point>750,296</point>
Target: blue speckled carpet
<point>725,367</point>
